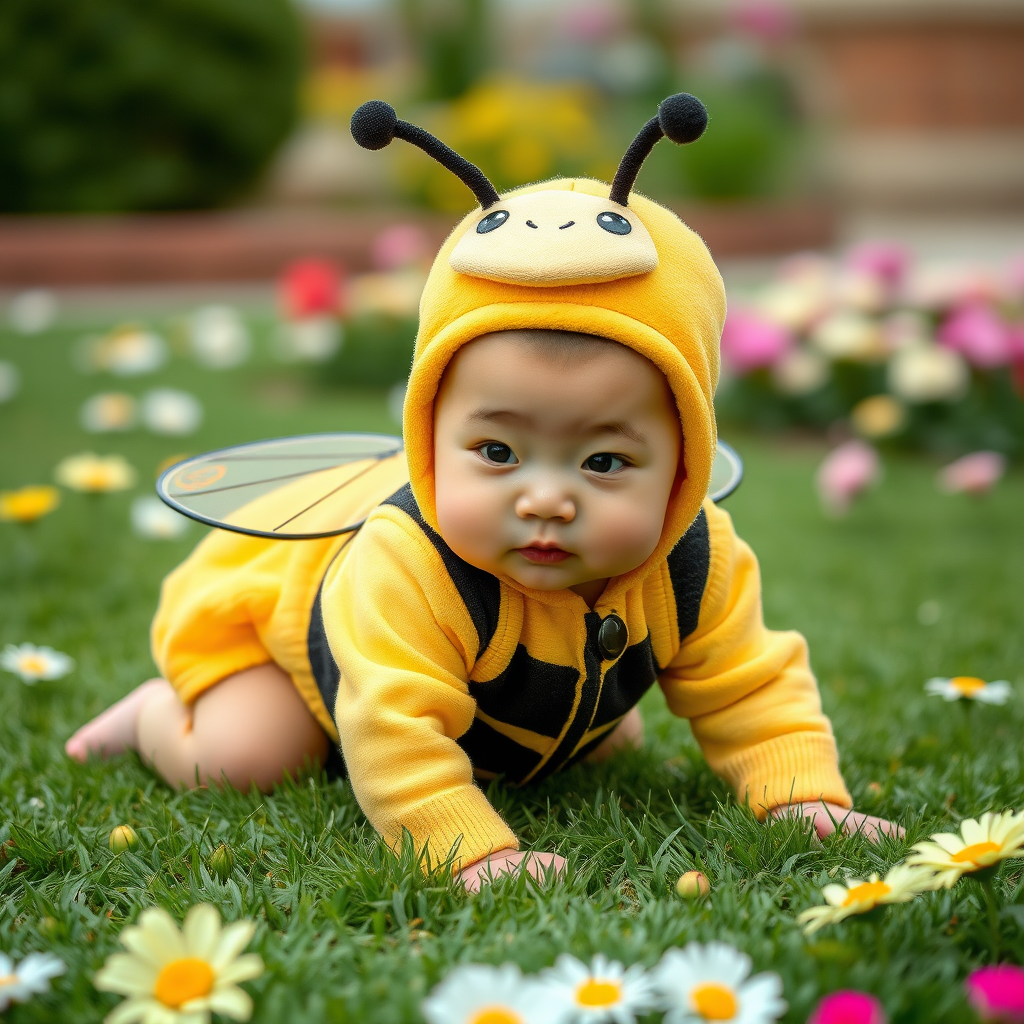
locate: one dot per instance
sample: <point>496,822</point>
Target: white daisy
<point>30,978</point>
<point>219,337</point>
<point>171,412</point>
<point>601,992</point>
<point>33,663</point>
<point>969,688</point>
<point>481,994</point>
<point>981,844</point>
<point>712,983</point>
<point>855,896</point>
<point>154,520</point>
<point>95,474</point>
<point>180,977</point>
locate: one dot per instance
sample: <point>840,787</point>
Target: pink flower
<point>769,20</point>
<point>885,261</point>
<point>976,331</point>
<point>749,342</point>
<point>845,472</point>
<point>310,288</point>
<point>400,245</point>
<point>997,993</point>
<point>848,1007</point>
<point>975,473</point>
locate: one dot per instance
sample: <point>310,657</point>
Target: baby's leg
<point>628,734</point>
<point>250,728</point>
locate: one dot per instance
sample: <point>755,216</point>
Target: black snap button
<point>611,637</point>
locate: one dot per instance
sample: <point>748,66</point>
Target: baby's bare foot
<point>113,731</point>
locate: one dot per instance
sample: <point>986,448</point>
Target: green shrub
<point>121,105</point>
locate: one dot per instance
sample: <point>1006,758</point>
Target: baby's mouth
<point>544,553</point>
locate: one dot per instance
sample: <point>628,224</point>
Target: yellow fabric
<point>408,651</point>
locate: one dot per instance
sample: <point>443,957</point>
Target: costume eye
<point>493,451</point>
<point>614,223</point>
<point>492,221</point>
<point>604,462</point>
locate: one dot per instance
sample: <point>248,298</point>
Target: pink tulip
<point>976,331</point>
<point>750,342</point>
<point>973,474</point>
<point>848,1007</point>
<point>400,245</point>
<point>885,261</point>
<point>769,20</point>
<point>845,472</point>
<point>997,993</point>
<point>310,288</point>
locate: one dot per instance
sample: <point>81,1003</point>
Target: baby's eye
<point>493,451</point>
<point>604,462</point>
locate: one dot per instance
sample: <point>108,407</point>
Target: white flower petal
<point>232,1002</point>
<point>127,974</point>
<point>233,939</point>
<point>243,968</point>
<point>131,1011</point>
<point>201,931</point>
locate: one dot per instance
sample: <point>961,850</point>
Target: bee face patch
<point>555,237</point>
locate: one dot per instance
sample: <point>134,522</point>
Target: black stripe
<point>529,693</point>
<point>327,676</point>
<point>626,682</point>
<point>479,590</point>
<point>588,701</point>
<point>492,751</point>
<point>688,565</point>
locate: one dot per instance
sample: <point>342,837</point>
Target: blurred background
<point>177,181</point>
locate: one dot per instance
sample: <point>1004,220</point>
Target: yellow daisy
<point>28,504</point>
<point>981,844</point>
<point>856,896</point>
<point>95,474</point>
<point>180,977</point>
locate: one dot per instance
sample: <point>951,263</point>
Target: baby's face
<point>554,472</point>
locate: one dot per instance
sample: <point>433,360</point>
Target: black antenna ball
<point>373,124</point>
<point>682,117</point>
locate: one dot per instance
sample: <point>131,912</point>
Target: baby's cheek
<point>629,533</point>
<point>465,519</point>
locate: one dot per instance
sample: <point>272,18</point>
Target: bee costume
<point>430,672</point>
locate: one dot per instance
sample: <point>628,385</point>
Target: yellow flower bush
<point>28,504</point>
<point>517,132</point>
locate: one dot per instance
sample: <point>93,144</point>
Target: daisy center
<point>597,993</point>
<point>33,664</point>
<point>867,892</point>
<point>968,685</point>
<point>975,854</point>
<point>8,979</point>
<point>495,1015</point>
<point>182,980</point>
<point>714,1002</point>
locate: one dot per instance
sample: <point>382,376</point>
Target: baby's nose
<point>546,503</point>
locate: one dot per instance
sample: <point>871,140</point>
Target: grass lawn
<point>349,932</point>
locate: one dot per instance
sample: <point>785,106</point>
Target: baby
<point>551,557</point>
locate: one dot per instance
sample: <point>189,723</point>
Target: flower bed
<point>927,357</point>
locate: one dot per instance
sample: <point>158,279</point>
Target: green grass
<point>348,931</point>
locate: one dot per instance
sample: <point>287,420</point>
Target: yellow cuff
<point>799,766</point>
<point>461,816</point>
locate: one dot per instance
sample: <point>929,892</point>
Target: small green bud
<point>693,885</point>
<point>122,837</point>
<point>222,860</point>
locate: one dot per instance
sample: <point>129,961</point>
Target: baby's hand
<point>507,862</point>
<point>821,813</point>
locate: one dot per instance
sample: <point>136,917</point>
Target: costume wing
<point>726,473</point>
<point>317,485</point>
<point>289,488</point>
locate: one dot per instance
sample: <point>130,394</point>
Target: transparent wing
<point>726,472</point>
<point>296,488</point>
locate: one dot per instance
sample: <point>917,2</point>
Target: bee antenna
<point>681,117</point>
<point>375,124</point>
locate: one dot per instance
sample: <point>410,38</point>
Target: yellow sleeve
<point>748,691</point>
<point>405,645</point>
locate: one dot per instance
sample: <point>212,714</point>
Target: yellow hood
<point>672,315</point>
